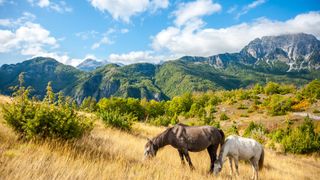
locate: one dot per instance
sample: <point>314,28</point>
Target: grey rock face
<point>298,51</point>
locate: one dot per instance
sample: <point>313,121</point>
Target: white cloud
<point>123,31</point>
<point>90,56</point>
<point>43,3</point>
<point>104,41</point>
<point>60,6</point>
<point>87,34</point>
<point>30,39</point>
<point>26,17</point>
<point>232,9</point>
<point>135,57</point>
<point>27,38</point>
<point>125,9</point>
<point>209,41</point>
<point>250,6</point>
<point>194,10</point>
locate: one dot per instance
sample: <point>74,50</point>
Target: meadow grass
<point>108,153</point>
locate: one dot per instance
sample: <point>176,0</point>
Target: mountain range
<point>289,58</point>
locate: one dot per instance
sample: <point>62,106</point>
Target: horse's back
<point>244,147</point>
<point>197,137</point>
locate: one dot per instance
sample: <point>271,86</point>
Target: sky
<point>133,31</point>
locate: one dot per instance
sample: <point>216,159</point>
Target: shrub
<point>302,139</point>
<point>233,129</point>
<point>244,115</point>
<point>312,90</point>
<point>207,120</point>
<point>301,106</point>
<point>160,121</point>
<point>89,104</point>
<point>257,89</point>
<point>117,120</point>
<point>316,111</point>
<point>224,117</point>
<point>256,131</point>
<point>272,88</point>
<point>278,105</point>
<point>253,126</point>
<point>123,106</point>
<point>46,119</point>
<point>242,106</point>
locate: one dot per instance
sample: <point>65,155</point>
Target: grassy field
<point>112,154</point>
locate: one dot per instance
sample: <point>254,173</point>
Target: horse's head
<point>149,149</point>
<point>217,167</point>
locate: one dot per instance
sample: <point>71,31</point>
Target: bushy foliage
<point>46,119</point>
<point>117,120</point>
<point>164,120</point>
<point>278,105</point>
<point>275,88</point>
<point>272,88</point>
<point>153,108</point>
<point>242,106</point>
<point>89,104</point>
<point>180,104</point>
<point>256,131</point>
<point>312,90</point>
<point>123,106</point>
<point>302,139</point>
<point>223,117</point>
<point>233,129</point>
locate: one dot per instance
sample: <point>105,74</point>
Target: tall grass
<point>114,154</point>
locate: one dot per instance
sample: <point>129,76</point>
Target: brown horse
<point>187,138</point>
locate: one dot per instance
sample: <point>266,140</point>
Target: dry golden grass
<point>111,154</point>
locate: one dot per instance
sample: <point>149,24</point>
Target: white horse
<point>239,148</point>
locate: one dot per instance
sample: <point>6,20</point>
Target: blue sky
<point>130,31</point>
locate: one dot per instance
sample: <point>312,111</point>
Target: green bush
<point>46,119</point>
<point>117,120</point>
<point>278,105</point>
<point>256,131</point>
<point>272,88</point>
<point>207,120</point>
<point>123,106</point>
<point>233,129</point>
<point>89,104</point>
<point>302,139</point>
<point>223,117</point>
<point>242,106</point>
<point>160,121</point>
<point>316,111</point>
<point>312,90</point>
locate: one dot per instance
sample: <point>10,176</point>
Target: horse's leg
<point>236,163</point>
<point>255,168</point>
<point>181,156</point>
<point>231,167</point>
<point>186,154</point>
<point>212,153</point>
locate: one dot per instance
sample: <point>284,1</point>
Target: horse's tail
<point>261,159</point>
<point>222,137</point>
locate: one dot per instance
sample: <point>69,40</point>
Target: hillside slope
<point>292,58</point>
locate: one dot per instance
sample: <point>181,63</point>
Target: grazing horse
<point>236,148</point>
<point>187,138</point>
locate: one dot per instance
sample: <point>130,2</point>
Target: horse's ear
<point>148,139</point>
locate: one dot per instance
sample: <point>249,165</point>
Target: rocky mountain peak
<point>90,64</point>
<point>296,50</point>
